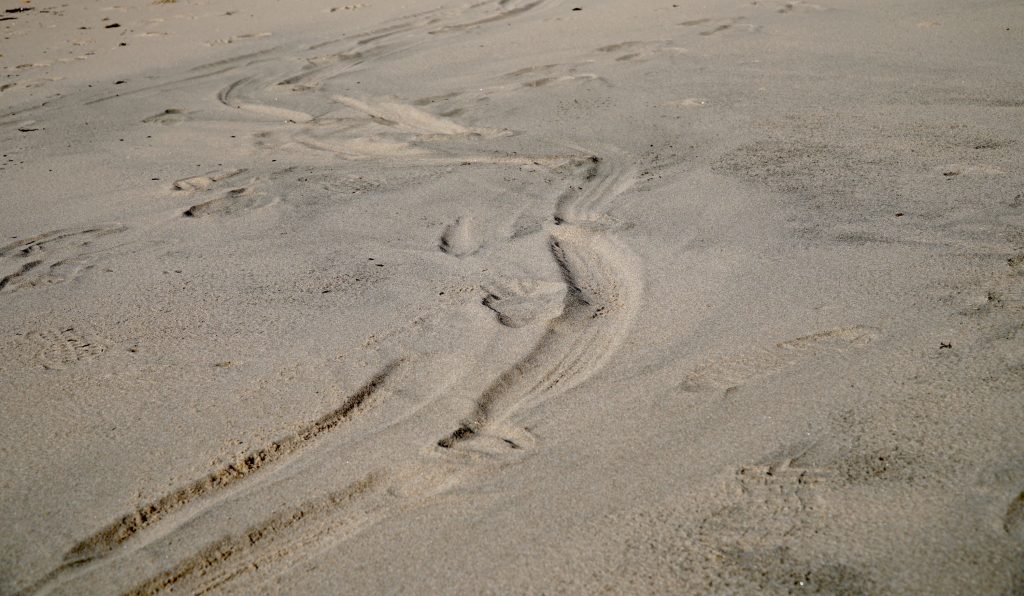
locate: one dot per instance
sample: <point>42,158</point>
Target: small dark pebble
<point>577,8</point>
<point>112,25</point>
<point>945,345</point>
<point>899,214</point>
<point>120,82</point>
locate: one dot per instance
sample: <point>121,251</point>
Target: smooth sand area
<point>512,296</point>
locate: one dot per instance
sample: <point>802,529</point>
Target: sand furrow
<point>283,534</point>
<point>603,292</point>
<point>94,548</point>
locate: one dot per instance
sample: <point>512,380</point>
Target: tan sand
<point>512,296</point>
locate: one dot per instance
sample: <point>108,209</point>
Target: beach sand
<point>512,296</point>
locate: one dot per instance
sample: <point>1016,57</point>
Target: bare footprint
<point>206,180</point>
<point>524,302</point>
<point>50,258</point>
<point>234,202</point>
<point>459,238</point>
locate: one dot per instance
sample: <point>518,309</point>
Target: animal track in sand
<point>521,303</point>
<point>459,238</point>
<point>731,371</point>
<point>107,539</point>
<point>51,258</point>
<point>234,202</point>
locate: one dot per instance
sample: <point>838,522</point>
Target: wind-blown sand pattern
<point>511,296</point>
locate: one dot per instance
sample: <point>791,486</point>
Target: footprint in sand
<point>521,303</point>
<point>731,371</point>
<point>206,180</point>
<point>234,202</point>
<point>56,349</point>
<point>459,239</point>
<point>50,258</point>
<point>1013,522</point>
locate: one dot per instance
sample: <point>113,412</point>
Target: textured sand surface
<point>500,296</point>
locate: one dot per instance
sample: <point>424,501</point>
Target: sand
<point>512,296</point>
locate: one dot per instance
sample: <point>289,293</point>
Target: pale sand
<point>503,296</point>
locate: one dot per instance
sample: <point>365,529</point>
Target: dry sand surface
<point>512,296</point>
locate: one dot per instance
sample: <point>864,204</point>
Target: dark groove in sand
<point>104,541</point>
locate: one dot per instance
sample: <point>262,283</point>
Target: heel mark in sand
<point>1013,522</point>
<point>522,303</point>
<point>458,238</point>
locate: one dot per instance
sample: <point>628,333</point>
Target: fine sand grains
<point>511,296</point>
